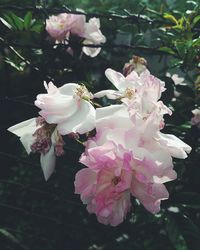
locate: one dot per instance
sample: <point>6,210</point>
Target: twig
<point>7,206</point>
<point>104,46</point>
<point>38,9</point>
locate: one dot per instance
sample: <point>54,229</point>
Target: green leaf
<point>27,20</point>
<point>167,49</point>
<point>19,23</point>
<point>37,28</point>
<point>16,22</point>
<point>171,18</point>
<point>196,20</point>
<point>10,21</point>
<point>181,49</point>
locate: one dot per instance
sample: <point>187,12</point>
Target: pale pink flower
<point>141,94</point>
<point>35,137</point>
<point>59,26</point>
<point>93,36</point>
<point>196,118</point>
<point>115,171</point>
<point>68,106</point>
<point>108,142</point>
<point>105,185</point>
<point>176,147</point>
<point>145,132</point>
<point>145,86</point>
<point>126,86</point>
<point>77,25</point>
<point>149,194</point>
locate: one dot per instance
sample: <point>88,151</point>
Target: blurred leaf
<point>36,27</point>
<point>8,235</point>
<point>17,65</point>
<point>174,234</point>
<point>196,20</point>
<point>196,42</point>
<point>170,17</point>
<point>19,23</point>
<point>186,90</point>
<point>5,23</point>
<point>189,231</point>
<point>167,49</point>
<point>27,20</point>
<point>12,238</point>
<point>9,19</point>
<point>181,48</point>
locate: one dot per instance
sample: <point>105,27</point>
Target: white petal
<point>116,78</point>
<point>113,116</point>
<point>25,131</point>
<point>89,51</point>
<point>68,89</point>
<point>176,147</point>
<point>56,110</point>
<point>111,110</point>
<point>22,128</point>
<point>110,94</point>
<point>48,163</point>
<point>81,122</point>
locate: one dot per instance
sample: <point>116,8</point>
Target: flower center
<point>83,93</point>
<point>61,25</point>
<point>116,180</point>
<point>129,93</point>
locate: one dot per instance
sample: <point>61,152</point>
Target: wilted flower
<point>38,136</point>
<point>137,64</point>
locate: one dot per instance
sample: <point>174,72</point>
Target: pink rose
<point>59,26</point>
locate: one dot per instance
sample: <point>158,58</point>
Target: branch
<point>133,18</point>
<point>103,46</point>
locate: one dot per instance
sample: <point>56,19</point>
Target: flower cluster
<point>64,25</point>
<point>128,156</point>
